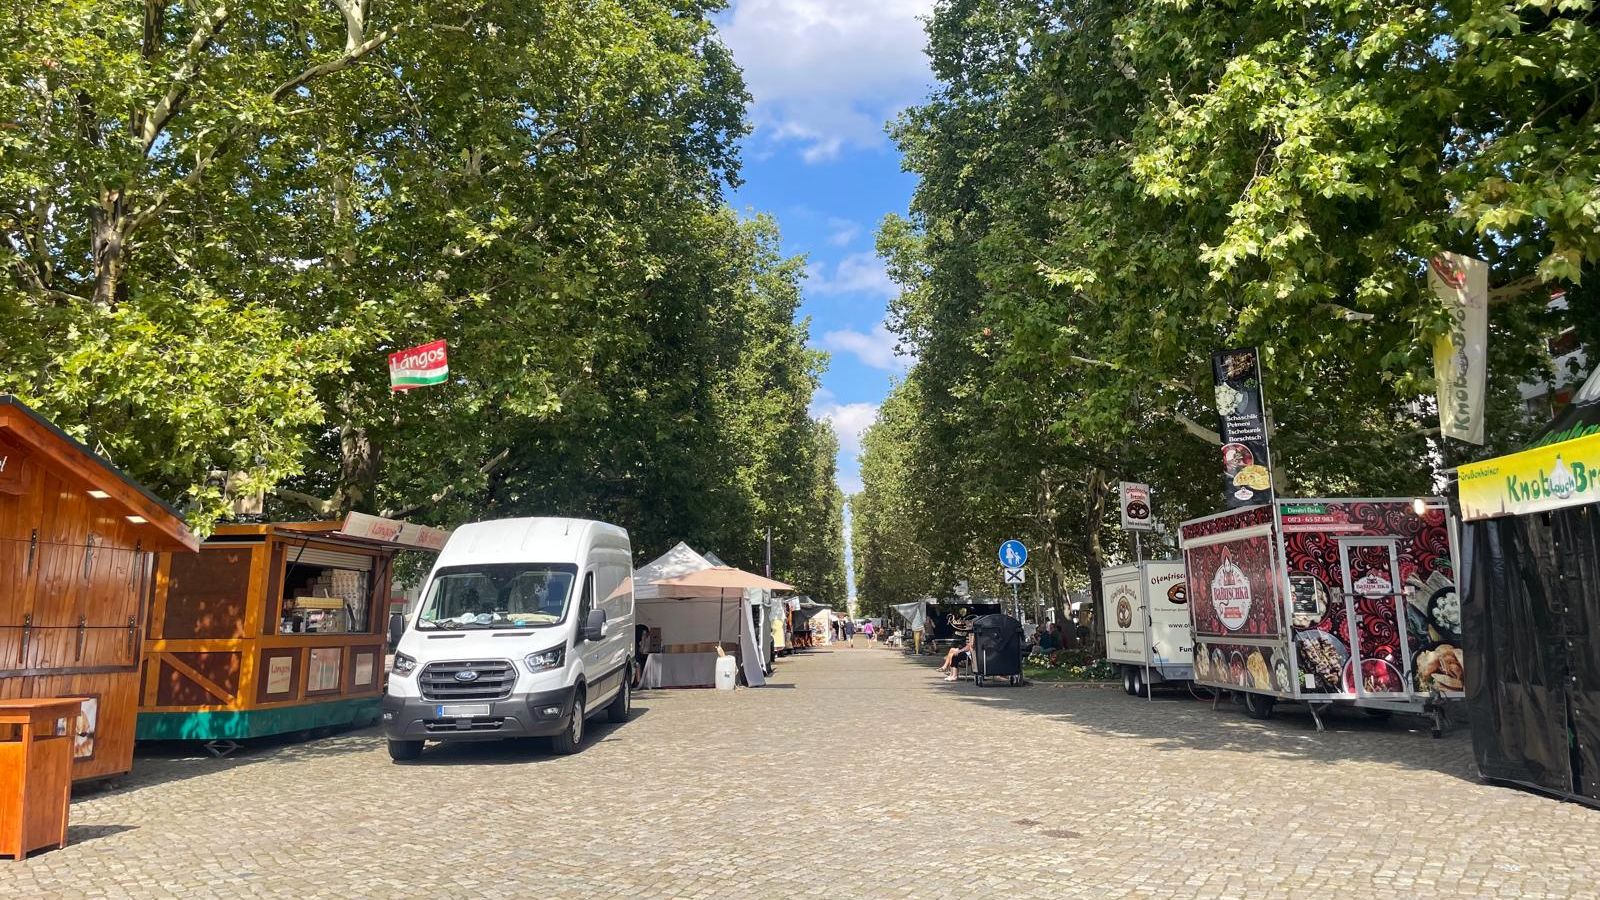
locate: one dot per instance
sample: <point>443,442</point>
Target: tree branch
<point>316,504</point>
<point>204,161</point>
<point>1196,429</point>
<point>156,120</point>
<point>1346,313</point>
<point>444,493</point>
<point>1514,290</point>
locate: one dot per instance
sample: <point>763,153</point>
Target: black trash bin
<point>996,648</point>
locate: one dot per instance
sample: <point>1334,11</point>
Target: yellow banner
<point>1537,480</point>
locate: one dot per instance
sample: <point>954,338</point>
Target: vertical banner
<point>1460,357</point>
<point>418,367</point>
<point>1242,410</point>
<point>1136,509</point>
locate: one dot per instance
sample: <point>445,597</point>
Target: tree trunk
<point>1054,584</point>
<point>1094,551</point>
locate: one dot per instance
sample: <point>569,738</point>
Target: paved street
<point>857,774</point>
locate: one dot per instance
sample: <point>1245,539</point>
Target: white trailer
<point>1148,630</point>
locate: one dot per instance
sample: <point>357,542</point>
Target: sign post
<point>1013,556</point>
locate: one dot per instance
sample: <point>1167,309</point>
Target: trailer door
<point>1380,658</point>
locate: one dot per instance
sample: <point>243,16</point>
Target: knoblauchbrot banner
<point>1460,356</point>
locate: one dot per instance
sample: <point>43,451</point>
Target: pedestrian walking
<point>867,630</point>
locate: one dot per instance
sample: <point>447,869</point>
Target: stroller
<point>996,649</point>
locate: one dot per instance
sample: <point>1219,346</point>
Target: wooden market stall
<point>78,543</point>
<point>272,629</point>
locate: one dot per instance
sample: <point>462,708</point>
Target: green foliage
<point>217,220</point>
<point>1111,191</point>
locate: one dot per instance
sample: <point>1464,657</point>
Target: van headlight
<point>403,665</point>
<point>545,660</point>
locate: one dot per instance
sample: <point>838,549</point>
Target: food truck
<point>1148,632</point>
<point>1321,601</point>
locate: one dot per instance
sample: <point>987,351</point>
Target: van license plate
<point>463,710</point>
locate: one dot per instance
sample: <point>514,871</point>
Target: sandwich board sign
<point>419,367</point>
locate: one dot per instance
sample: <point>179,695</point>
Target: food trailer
<point>272,628</point>
<point>1531,566</point>
<point>1325,601</point>
<point>78,541</point>
<point>1148,633</point>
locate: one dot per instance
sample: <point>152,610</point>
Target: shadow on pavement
<point>1175,721</point>
<point>78,834</point>
<point>518,751</point>
<point>164,762</point>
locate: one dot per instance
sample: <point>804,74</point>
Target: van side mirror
<point>397,629</point>
<point>594,627</point>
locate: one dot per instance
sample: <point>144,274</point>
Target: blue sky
<point>826,75</point>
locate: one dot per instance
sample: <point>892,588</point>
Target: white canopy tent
<point>697,607</point>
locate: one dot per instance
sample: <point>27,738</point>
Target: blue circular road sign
<point>1013,555</point>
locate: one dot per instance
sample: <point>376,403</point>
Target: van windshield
<point>509,595</point>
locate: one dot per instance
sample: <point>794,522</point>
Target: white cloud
<point>875,348</point>
<point>827,74</point>
<point>842,232</point>
<point>858,273</point>
<point>850,483</point>
<point>850,421</point>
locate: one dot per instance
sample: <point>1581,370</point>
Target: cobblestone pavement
<point>858,774</point>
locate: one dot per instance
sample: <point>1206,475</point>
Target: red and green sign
<point>418,367</point>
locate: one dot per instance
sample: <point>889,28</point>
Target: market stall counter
<point>1328,600</point>
<point>272,628</point>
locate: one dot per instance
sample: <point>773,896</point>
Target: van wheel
<point>404,751</point>
<point>1259,706</point>
<point>570,740</point>
<point>621,706</point>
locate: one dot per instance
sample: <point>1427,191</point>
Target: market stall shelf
<point>78,540</point>
<point>271,629</point>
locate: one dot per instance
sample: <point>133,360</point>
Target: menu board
<point>280,674</point>
<point>1242,412</point>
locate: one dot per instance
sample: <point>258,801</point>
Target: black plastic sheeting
<point>997,643</point>
<point>1531,629</point>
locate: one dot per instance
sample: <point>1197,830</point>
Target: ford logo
<point>468,675</point>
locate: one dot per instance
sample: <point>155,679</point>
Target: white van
<point>524,628</point>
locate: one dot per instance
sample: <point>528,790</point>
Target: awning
<point>720,578</point>
<point>1561,470</point>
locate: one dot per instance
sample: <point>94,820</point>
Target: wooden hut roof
<point>31,439</point>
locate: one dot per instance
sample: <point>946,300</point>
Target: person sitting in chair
<point>955,657</point>
<point>1049,645</point>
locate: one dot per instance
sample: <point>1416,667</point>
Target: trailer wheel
<point>1127,680</point>
<point>1259,706</point>
<point>1140,687</point>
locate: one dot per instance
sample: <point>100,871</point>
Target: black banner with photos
<point>1242,411</point>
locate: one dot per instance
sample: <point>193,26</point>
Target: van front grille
<point>495,679</point>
